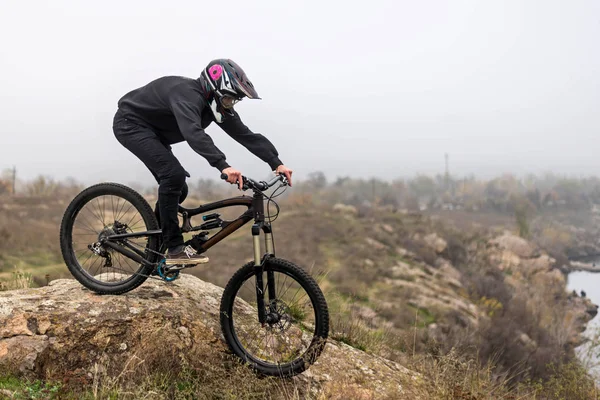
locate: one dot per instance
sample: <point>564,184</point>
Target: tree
<point>6,181</point>
<point>423,186</point>
<point>317,180</point>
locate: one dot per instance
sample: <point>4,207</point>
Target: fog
<point>367,89</point>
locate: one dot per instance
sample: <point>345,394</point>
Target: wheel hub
<point>106,232</point>
<point>116,228</point>
<point>277,315</point>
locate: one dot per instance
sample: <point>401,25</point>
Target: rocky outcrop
<point>436,243</point>
<point>435,288</point>
<point>532,274</point>
<point>584,266</point>
<point>63,331</point>
<point>516,245</point>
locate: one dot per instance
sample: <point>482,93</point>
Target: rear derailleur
<point>116,228</point>
<point>100,251</point>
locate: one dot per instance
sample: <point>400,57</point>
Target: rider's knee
<point>184,192</point>
<point>174,181</point>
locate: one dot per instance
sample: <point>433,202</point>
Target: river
<point>589,282</point>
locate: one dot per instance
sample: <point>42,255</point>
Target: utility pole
<point>14,179</point>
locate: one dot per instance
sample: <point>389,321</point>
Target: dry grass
<point>17,280</point>
<point>451,376</point>
<point>29,229</point>
<point>454,376</point>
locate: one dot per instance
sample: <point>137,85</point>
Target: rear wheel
<point>297,324</point>
<point>96,213</point>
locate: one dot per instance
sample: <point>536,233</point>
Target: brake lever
<point>244,182</point>
<point>284,180</point>
<point>244,185</point>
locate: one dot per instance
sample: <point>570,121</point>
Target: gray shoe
<point>187,256</point>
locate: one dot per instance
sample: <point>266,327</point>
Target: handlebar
<point>249,183</point>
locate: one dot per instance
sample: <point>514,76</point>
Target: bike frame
<point>255,211</point>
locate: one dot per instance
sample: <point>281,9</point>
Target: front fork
<point>258,263</point>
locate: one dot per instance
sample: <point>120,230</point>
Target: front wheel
<point>296,325</point>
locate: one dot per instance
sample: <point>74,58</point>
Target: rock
<point>387,228</point>
<point>526,341</point>
<point>66,332</point>
<point>375,244</point>
<point>402,252</point>
<point>401,269</point>
<point>556,278</point>
<point>438,244</point>
<point>516,245</point>
<point>507,260</point>
<point>536,265</point>
<point>580,312</point>
<point>67,328</point>
<point>447,269</point>
<point>581,266</point>
<point>22,352</point>
<point>357,369</point>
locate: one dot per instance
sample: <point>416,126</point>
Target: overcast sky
<point>360,88</point>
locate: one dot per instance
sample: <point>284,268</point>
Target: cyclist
<point>172,109</point>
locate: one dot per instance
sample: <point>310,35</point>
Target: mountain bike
<point>273,314</point>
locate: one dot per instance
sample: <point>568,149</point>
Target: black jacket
<point>175,109</point>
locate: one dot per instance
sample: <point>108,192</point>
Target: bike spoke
<point>114,210</point>
<point>103,209</point>
<point>125,213</point>
<point>119,209</point>
<point>131,219</point>
<point>92,210</point>
<point>96,259</point>
<point>254,335</point>
<point>141,219</point>
<point>291,301</point>
<point>89,226</point>
<point>114,214</point>
<point>282,295</point>
<point>284,281</point>
<point>100,212</point>
<point>128,262</point>
<point>88,258</point>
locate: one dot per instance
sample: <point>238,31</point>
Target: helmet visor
<point>240,81</point>
<point>247,89</point>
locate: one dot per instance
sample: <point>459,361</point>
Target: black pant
<point>167,171</point>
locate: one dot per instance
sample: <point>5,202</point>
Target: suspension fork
<point>270,274</point>
<point>258,264</point>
